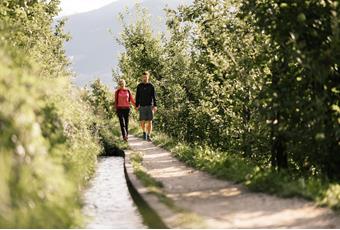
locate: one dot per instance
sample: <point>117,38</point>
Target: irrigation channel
<point>110,202</point>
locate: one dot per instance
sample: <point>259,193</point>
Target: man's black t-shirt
<point>145,95</point>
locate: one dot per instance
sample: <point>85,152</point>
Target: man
<point>146,104</point>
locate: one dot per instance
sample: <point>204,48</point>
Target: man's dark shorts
<point>145,113</point>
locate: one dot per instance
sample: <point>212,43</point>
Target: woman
<point>123,98</point>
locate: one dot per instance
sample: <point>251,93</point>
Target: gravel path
<point>222,204</point>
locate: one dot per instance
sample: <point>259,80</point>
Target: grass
<point>222,165</point>
<point>231,167</point>
<point>110,138</point>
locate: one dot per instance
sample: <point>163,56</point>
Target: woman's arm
<point>116,99</point>
<point>132,100</point>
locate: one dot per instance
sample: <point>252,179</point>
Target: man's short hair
<point>146,73</point>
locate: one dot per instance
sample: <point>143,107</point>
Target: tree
<point>305,81</point>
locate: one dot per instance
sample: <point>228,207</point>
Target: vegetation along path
<point>184,197</point>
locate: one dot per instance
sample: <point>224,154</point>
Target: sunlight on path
<point>223,204</point>
<point>108,201</point>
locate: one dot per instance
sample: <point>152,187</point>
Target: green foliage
<point>304,86</point>
<point>202,79</point>
<point>47,152</point>
<point>332,196</point>
<point>283,184</point>
<point>143,51</point>
<point>258,80</point>
<point>252,86</point>
<point>101,100</point>
<point>223,165</point>
<point>226,166</point>
<point>48,148</point>
<point>106,124</point>
<point>26,26</point>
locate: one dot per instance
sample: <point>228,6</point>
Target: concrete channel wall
<point>155,213</point>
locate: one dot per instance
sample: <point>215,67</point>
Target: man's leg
<point>149,122</point>
<point>148,129</point>
<point>142,124</point>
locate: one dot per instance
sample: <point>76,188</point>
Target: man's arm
<point>153,96</point>
<point>137,97</point>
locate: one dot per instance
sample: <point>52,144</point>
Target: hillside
<point>93,49</point>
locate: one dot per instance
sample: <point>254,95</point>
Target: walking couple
<point>145,103</point>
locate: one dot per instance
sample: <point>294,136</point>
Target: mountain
<point>93,49</point>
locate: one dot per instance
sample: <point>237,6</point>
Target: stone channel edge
<point>166,215</point>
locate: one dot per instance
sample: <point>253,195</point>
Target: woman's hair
<point>121,82</point>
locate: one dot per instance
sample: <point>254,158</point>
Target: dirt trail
<point>222,204</point>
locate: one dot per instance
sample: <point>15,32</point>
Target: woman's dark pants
<point>123,115</point>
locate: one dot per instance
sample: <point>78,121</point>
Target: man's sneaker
<point>148,138</point>
<point>144,136</point>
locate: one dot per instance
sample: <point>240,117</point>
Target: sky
<point>69,7</point>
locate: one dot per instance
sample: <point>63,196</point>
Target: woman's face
<point>121,84</point>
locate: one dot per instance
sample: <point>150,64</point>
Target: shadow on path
<point>223,204</point>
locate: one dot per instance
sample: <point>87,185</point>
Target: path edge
<point>159,210</point>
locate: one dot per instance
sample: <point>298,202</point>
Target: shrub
<point>46,149</point>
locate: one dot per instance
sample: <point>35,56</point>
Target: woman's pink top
<point>123,97</point>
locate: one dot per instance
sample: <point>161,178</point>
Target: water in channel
<point>108,202</point>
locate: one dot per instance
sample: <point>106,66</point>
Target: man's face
<point>145,78</point>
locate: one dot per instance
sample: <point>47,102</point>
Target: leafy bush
<point>254,78</point>
<point>254,82</point>
<point>106,124</point>
<point>46,148</point>
<point>331,197</point>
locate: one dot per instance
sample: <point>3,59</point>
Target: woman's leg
<point>120,114</point>
<point>126,121</point>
